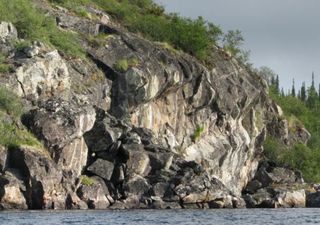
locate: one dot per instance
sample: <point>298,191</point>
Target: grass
<point>149,19</point>
<point>10,103</point>
<point>32,24</point>
<point>122,65</point>
<point>11,109</point>
<point>4,66</point>
<point>299,157</point>
<point>197,133</point>
<point>87,181</point>
<point>12,136</point>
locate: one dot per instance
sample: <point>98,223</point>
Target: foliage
<point>11,109</point>
<point>147,18</point>
<point>121,65</point>
<point>12,136</point>
<point>10,103</point>
<point>299,157</point>
<point>32,25</point>
<point>85,180</point>
<point>197,133</point>
<point>4,66</point>
<point>302,110</point>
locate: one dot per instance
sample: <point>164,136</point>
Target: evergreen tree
<point>277,84</point>
<point>293,89</point>
<point>312,95</point>
<point>312,82</point>
<point>282,92</point>
<point>303,94</point>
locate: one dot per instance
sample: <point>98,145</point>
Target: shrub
<point>10,103</point>
<point>85,180</point>
<point>197,133</point>
<point>147,18</point>
<point>122,65</point>
<point>35,25</point>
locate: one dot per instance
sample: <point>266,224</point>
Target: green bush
<point>32,25</point>
<point>299,157</point>
<point>122,65</point>
<point>10,103</point>
<point>85,180</point>
<point>147,18</point>
<point>11,109</point>
<point>12,136</point>
<point>197,133</point>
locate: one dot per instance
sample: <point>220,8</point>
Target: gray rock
<point>313,200</point>
<point>3,158</point>
<point>102,168</point>
<point>136,186</point>
<point>11,192</point>
<point>7,31</point>
<point>41,175</point>
<point>74,202</point>
<point>94,195</point>
<point>160,160</point>
<point>61,126</point>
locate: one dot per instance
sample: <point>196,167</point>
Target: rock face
<point>274,187</point>
<point>168,132</point>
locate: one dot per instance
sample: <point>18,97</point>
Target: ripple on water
<point>155,217</point>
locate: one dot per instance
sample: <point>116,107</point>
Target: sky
<point>281,34</point>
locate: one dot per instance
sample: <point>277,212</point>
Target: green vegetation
<point>4,66</point>
<point>10,103</point>
<point>122,65</point>
<point>147,18</point>
<point>301,110</point>
<point>85,180</point>
<point>197,133</point>
<point>35,25</point>
<point>11,109</point>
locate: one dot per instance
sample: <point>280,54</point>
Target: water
<point>155,217</point>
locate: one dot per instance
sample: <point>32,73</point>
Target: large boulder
<point>102,168</point>
<point>42,176</point>
<point>43,76</point>
<point>7,31</point>
<point>61,126</point>
<point>11,192</point>
<point>94,194</point>
<point>3,158</point>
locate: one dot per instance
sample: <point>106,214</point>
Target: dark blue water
<point>154,217</point>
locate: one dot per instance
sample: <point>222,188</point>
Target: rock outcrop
<point>166,132</point>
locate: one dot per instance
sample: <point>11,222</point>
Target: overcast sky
<point>281,34</point>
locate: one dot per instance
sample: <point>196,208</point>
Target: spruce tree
<point>277,84</point>
<point>303,94</point>
<point>293,89</point>
<point>282,92</point>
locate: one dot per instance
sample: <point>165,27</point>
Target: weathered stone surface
<point>94,195</point>
<point>136,186</point>
<point>61,126</point>
<point>178,134</point>
<point>313,199</point>
<point>290,199</point>
<point>103,135</point>
<point>7,31</point>
<point>41,175</point>
<point>269,173</point>
<point>43,77</point>
<point>102,168</point>
<point>138,160</point>
<point>74,202</point>
<point>3,158</point>
<point>11,192</point>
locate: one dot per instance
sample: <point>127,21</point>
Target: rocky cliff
<point>163,131</point>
